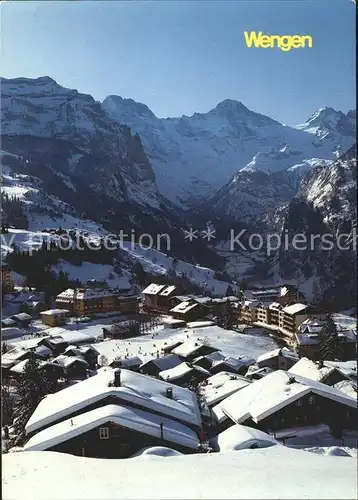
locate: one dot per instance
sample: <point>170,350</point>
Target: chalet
<point>184,374</point>
<point>278,359</point>
<point>6,280</point>
<point>56,344</point>
<point>218,387</point>
<point>283,294</point>
<point>88,353</point>
<point>307,340</point>
<point>55,317</point>
<point>189,311</point>
<point>129,363</point>
<point>254,372</point>
<point>114,431</point>
<point>329,375</point>
<point>83,301</point>
<point>156,365</point>
<point>208,360</point>
<point>173,323</point>
<point>159,298</point>
<point>189,350</point>
<point>167,348</point>
<point>219,305</point>
<point>22,320</point>
<point>234,365</point>
<point>6,322</point>
<point>74,366</point>
<point>121,330</point>
<point>137,404</point>
<point>282,400</point>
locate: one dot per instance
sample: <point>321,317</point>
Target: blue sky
<point>179,57</point>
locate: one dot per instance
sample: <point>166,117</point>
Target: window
<point>103,433</point>
<point>299,402</point>
<point>311,400</point>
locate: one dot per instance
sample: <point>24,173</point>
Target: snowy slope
<point>274,472</point>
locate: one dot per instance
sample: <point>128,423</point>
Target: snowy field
<point>231,343</point>
<point>265,473</point>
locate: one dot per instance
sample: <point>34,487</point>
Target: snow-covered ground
<point>147,346</point>
<point>265,473</point>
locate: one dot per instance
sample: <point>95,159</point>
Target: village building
<point>274,313</point>
<point>128,362</point>
<point>263,312</point>
<point>83,301</point>
<point>278,359</point>
<point>54,317</point>
<point>189,311</point>
<point>88,353</point>
<point>282,400</point>
<point>329,375</point>
<point>156,365</point>
<point>6,280</point>
<point>73,366</point>
<point>189,350</point>
<point>307,340</point>
<point>291,317</point>
<point>248,311</point>
<point>173,323</point>
<point>22,320</point>
<point>234,365</point>
<point>218,387</point>
<point>283,294</point>
<point>159,298</point>
<point>254,372</point>
<point>57,345</point>
<point>114,431</point>
<point>114,414</point>
<point>185,374</point>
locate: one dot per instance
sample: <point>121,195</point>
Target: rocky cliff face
<point>325,213</point>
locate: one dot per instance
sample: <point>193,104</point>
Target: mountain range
<point>117,163</point>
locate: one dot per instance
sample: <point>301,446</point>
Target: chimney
<point>291,380</point>
<point>169,393</point>
<point>117,378</point>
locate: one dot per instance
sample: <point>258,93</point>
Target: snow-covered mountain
<point>195,156</point>
<point>325,213</point>
<point>329,125</point>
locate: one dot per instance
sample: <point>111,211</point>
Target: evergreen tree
<point>32,388</point>
<point>328,340</point>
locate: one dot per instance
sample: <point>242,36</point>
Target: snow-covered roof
<point>189,347</point>
<point>199,324</point>
<point>295,308</point>
<point>348,387</point>
<point>221,385</point>
<point>85,294</point>
<point>275,391</point>
<point>168,290</point>
<point>165,362</point>
<point>55,312</point>
<point>22,316</point>
<point>8,321</point>
<point>212,357</point>
<point>153,289</point>
<point>75,337</point>
<point>129,362</point>
<point>284,352</point>
<point>184,307</point>
<point>67,361</point>
<point>241,437</point>
<point>20,367</point>
<point>275,305</point>
<point>176,372</point>
<point>251,304</point>
<point>180,371</point>
<point>235,363</point>
<point>144,391</point>
<point>172,321</point>
<point>309,369</point>
<point>130,418</point>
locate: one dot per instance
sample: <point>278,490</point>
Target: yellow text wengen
<point>259,40</point>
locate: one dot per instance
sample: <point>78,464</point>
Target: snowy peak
<point>118,106</point>
<point>236,110</point>
<point>328,121</point>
